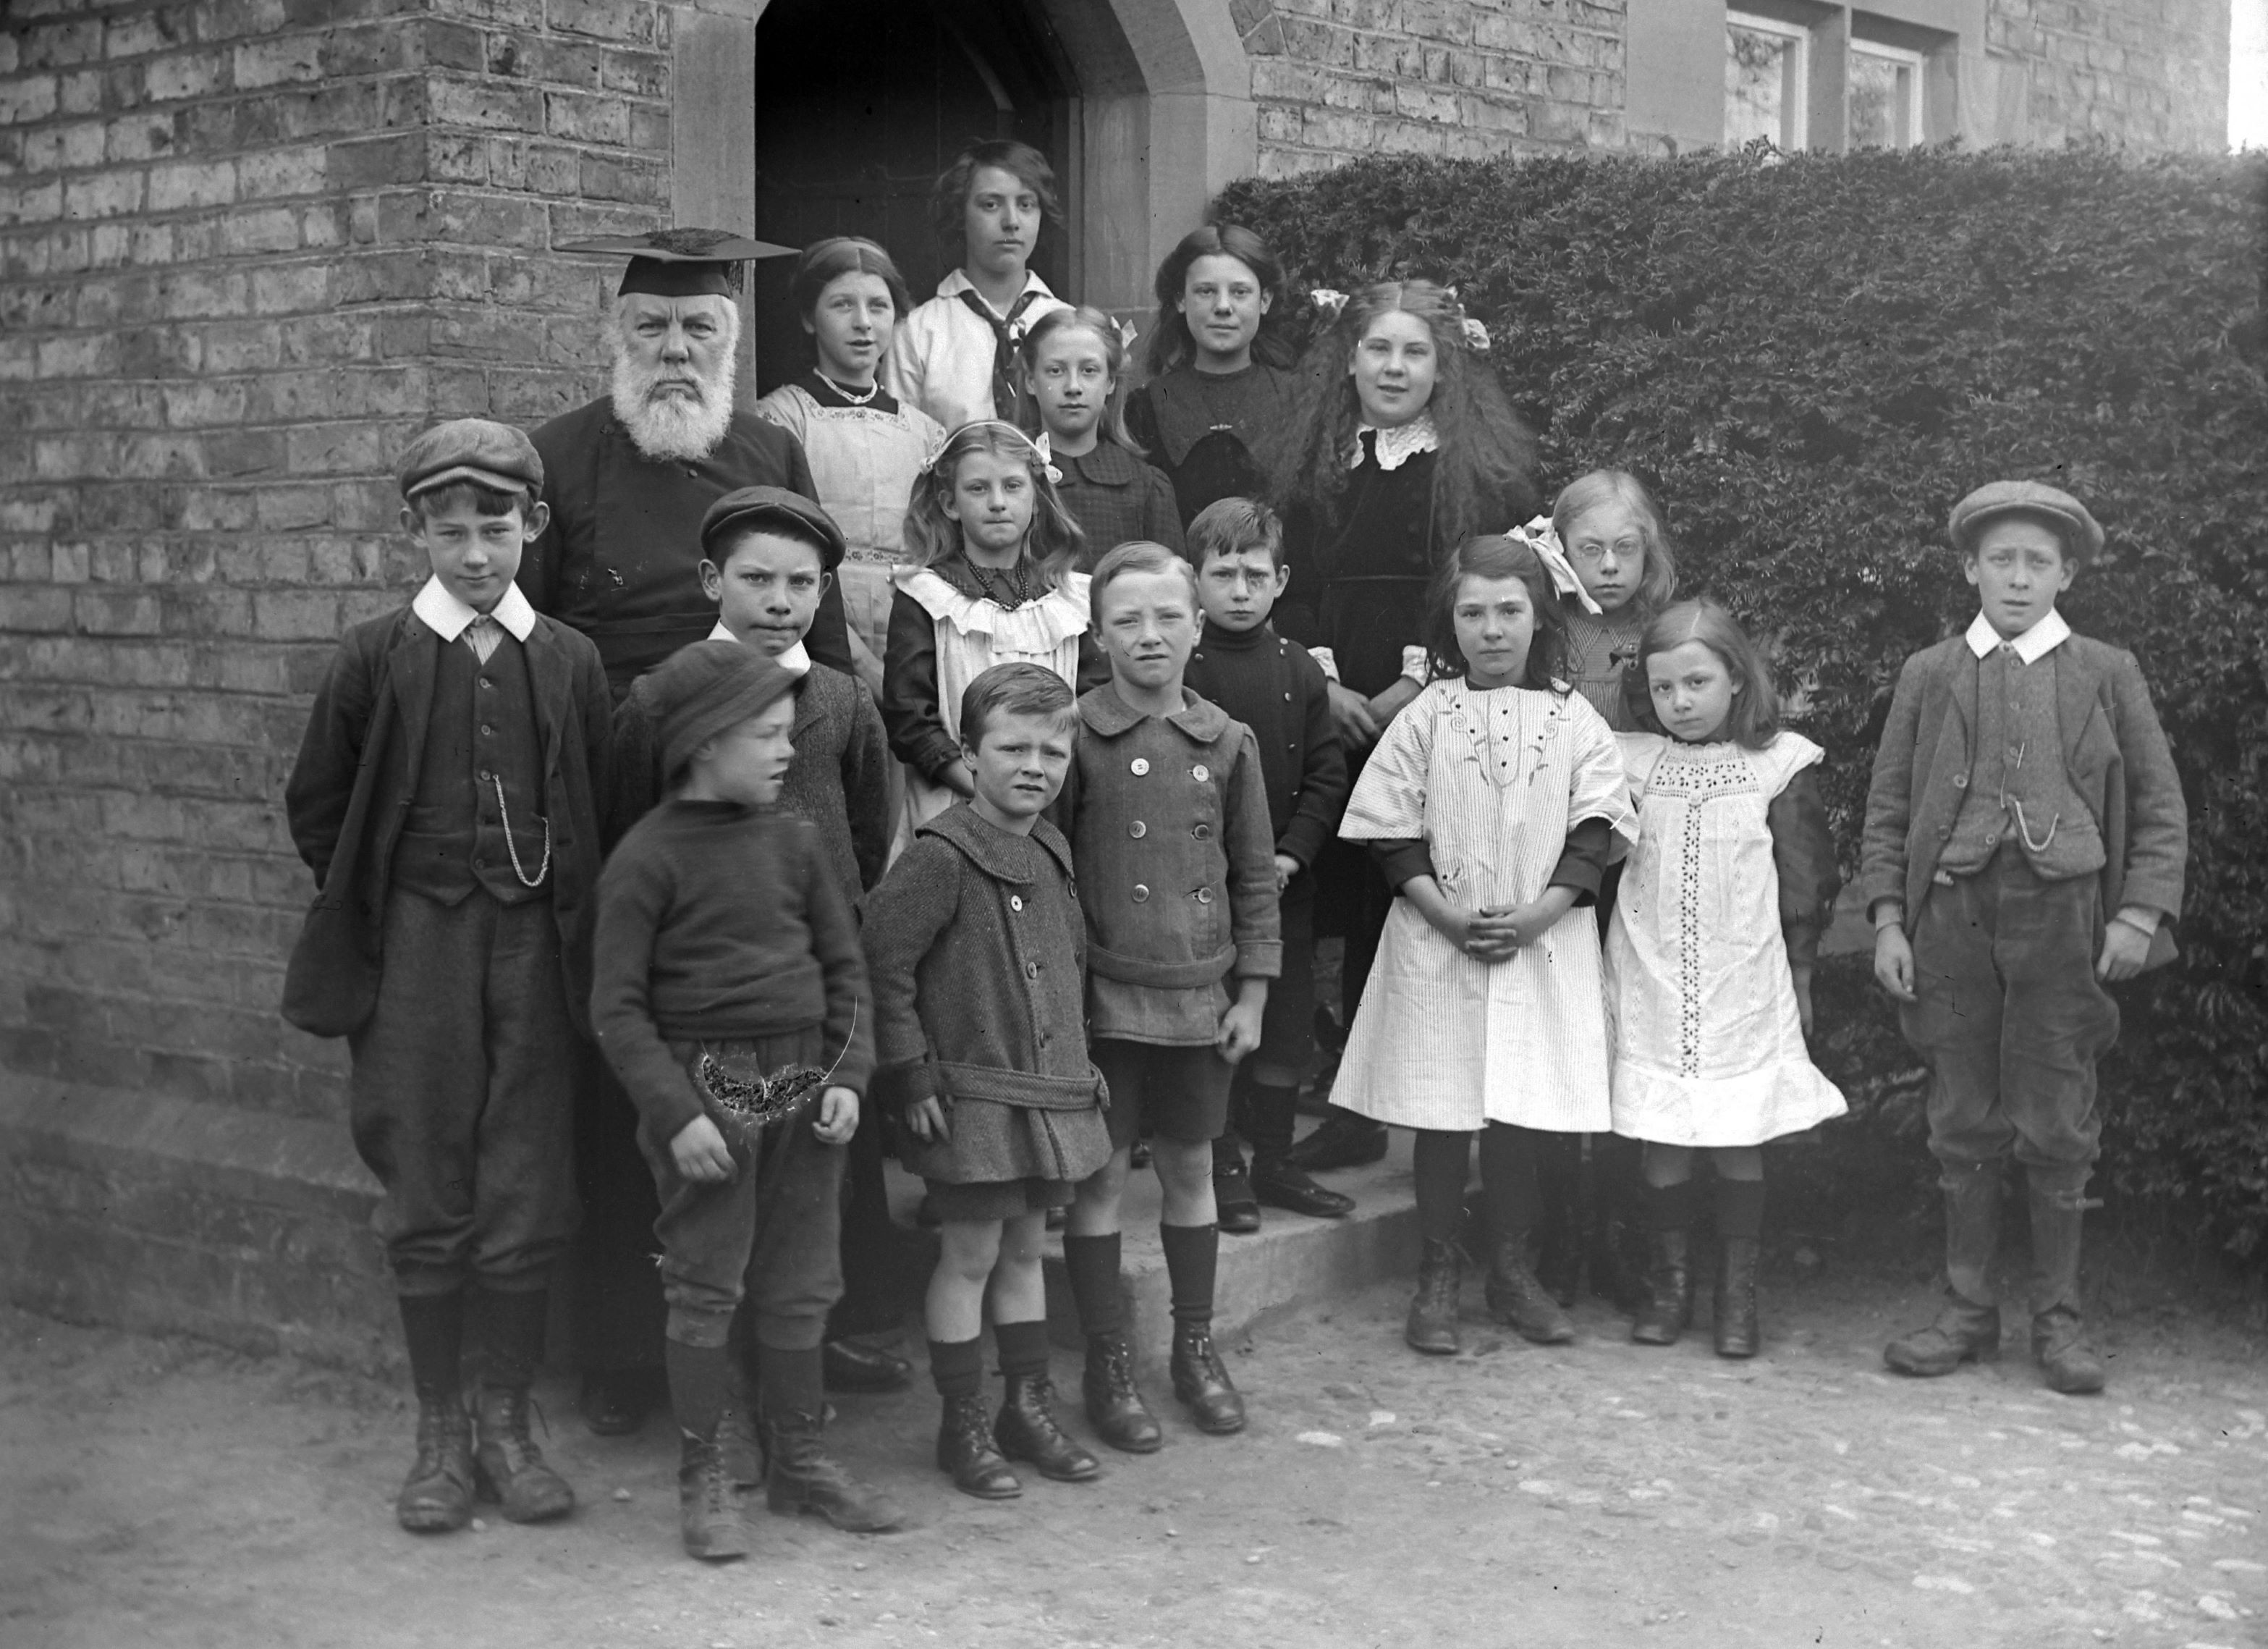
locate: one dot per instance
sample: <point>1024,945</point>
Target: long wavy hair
<point>1586,492</point>
<point>1085,318</point>
<point>1170,342</point>
<point>1484,477</point>
<point>1054,539</point>
<point>1753,722</point>
<point>1492,556</point>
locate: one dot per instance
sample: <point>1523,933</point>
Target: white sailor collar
<point>796,661</point>
<point>956,281</point>
<point>2034,644</point>
<point>1398,445</point>
<point>445,615</point>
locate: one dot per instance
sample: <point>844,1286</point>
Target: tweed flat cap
<point>2082,534</point>
<point>471,449</point>
<point>700,690</point>
<point>790,512</point>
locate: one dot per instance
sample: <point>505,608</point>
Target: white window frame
<point>1796,93</point>
<point>1913,64</point>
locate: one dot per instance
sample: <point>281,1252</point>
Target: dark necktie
<point>1007,402</point>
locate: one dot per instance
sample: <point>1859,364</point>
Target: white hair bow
<point>1540,535</point>
<point>1047,460</point>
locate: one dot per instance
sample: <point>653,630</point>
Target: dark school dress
<point>1216,435</point>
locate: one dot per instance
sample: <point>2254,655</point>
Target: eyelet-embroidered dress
<point>1493,779</point>
<point>973,634</point>
<point>1709,1050</point>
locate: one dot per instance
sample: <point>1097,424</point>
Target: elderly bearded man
<point>629,477</point>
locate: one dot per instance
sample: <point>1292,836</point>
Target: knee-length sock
<point>1092,1264</point>
<point>1440,1161</point>
<point>1192,1257</point>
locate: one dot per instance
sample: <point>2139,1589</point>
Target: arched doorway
<point>861,103</point>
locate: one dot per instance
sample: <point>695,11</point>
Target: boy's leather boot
<point>2067,1363</point>
<point>438,1495</point>
<point>1026,1430</point>
<point>1518,1298</point>
<point>509,1467</point>
<point>707,1505</point>
<point>1968,1325</point>
<point>1115,1408</point>
<point>1433,1324</point>
<point>1270,1111</point>
<point>1737,1333</point>
<point>799,1475</point>
<point>968,1453</point>
<point>1342,1140</point>
<point>1201,1383</point>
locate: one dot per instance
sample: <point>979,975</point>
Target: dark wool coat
<point>621,559</point>
<point>351,790</point>
<point>2114,753</point>
<point>975,953</point>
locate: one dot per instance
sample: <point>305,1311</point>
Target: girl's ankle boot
<point>968,1453</point>
<point>1115,1408</point>
<point>1432,1326</point>
<point>1668,1303</point>
<point>1515,1296</point>
<point>1737,1333</point>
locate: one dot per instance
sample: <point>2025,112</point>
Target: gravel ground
<point>161,1493</point>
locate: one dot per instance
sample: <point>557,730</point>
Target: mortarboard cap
<point>681,263</point>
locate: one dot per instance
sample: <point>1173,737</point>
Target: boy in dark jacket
<point>2024,846</point>
<point>979,952</point>
<point>1169,828</point>
<point>444,796</point>
<point>727,997</point>
<point>768,558</point>
<point>1271,685</point>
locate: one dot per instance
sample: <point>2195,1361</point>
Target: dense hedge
<point>1809,358</point>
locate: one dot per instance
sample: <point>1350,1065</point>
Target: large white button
<point>1138,830</point>
<point>1199,773</point>
<point>1140,893</point>
<point>1015,901</point>
<point>1205,896</point>
<point>1140,765</point>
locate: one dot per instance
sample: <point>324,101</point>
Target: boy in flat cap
<point>445,796</point>
<point>2024,847</point>
<point>768,556</point>
<point>727,999</point>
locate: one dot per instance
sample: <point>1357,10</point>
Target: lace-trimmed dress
<point>974,632</point>
<point>1493,781</point>
<point>1709,1050</point>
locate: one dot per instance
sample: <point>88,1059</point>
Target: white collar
<point>1397,446</point>
<point>2034,644</point>
<point>446,617</point>
<point>796,661</point>
<point>957,282</point>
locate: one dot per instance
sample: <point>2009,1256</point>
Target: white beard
<point>671,427</point>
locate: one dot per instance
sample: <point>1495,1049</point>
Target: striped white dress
<point>1709,1049</point>
<point>1493,781</point>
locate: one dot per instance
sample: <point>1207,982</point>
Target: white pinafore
<point>1709,1048</point>
<point>1492,779</point>
<point>973,634</point>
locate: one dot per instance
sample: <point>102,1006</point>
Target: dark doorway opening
<point>861,103</point>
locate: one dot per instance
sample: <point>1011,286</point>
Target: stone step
<point>1289,1262</point>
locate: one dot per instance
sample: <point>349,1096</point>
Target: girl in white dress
<point>1710,953</point>
<point>987,580</point>
<point>1493,802</point>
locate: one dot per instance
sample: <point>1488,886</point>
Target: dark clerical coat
<point>621,559</point>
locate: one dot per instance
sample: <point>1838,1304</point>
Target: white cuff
<point>1326,662</point>
<point>1417,664</point>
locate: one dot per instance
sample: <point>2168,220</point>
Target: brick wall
<point>2150,74</point>
<point>1337,78</point>
<point>247,248</point>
